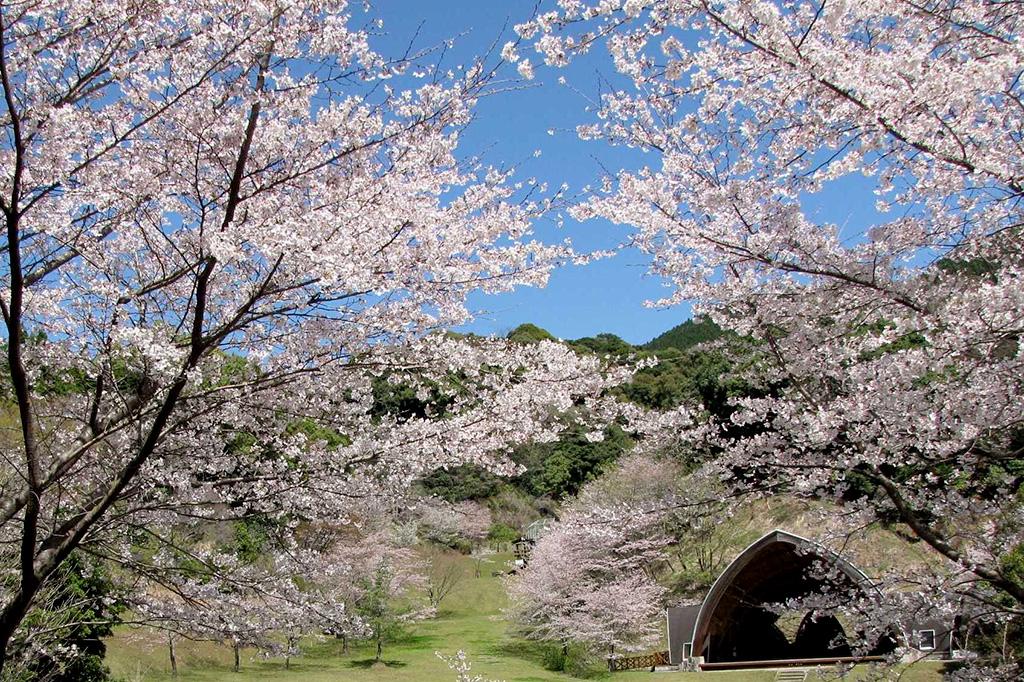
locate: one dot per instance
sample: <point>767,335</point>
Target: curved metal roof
<point>759,551</point>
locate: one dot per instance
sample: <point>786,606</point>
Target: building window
<point>926,640</point>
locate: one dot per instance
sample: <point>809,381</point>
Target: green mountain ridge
<point>684,336</point>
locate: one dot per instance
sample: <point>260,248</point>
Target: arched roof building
<point>734,624</point>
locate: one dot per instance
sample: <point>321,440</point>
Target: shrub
<point>581,661</point>
<point>553,657</point>
<point>513,508</point>
<point>499,534</point>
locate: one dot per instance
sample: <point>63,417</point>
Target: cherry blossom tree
<point>287,595</point>
<point>375,563</point>
<point>223,220</point>
<point>591,576</point>
<point>474,521</point>
<point>243,610</point>
<point>460,526</point>
<point>890,352</point>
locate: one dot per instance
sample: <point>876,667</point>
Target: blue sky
<point>605,296</point>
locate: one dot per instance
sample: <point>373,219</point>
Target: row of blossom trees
<point>345,590</point>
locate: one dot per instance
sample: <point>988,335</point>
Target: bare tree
<point>443,574</point>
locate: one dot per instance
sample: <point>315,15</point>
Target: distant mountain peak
<point>686,335</point>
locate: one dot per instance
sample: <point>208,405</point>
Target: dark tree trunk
<point>12,615</point>
<point>288,654</point>
<point>170,649</point>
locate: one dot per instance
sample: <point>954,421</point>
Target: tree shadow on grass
<point>516,648</point>
<point>524,650</point>
<point>367,663</point>
<point>417,641</point>
<point>299,664</point>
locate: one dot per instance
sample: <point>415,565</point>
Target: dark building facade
<point>734,625</point>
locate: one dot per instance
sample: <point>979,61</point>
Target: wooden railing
<point>638,662</point>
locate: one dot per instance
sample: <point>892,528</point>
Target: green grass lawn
<point>469,619</point>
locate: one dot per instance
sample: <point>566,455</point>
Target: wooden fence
<point>650,661</point>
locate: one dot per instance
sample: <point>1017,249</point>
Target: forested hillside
<point>690,368</point>
<point>686,335</point>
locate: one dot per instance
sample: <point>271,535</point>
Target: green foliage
<point>908,341</point>
<point>1012,565</point>
<point>315,432</point>
<point>514,508</point>
<point>995,642</point>
<point>500,534</point>
<point>905,342</point>
<point>55,383</point>
<point>529,333</point>
<point>240,443</point>
<point>973,267</point>
<point>686,335</point>
<point>401,401</point>
<point>858,485</point>
<point>561,468</point>
<point>575,659</point>
<point>685,376</point>
<point>582,662</point>
<point>604,344</point>
<point>80,607</point>
<point>553,657</point>
<point>464,482</point>
<point>234,368</point>
<point>49,381</point>
<point>251,537</point>
<point>376,607</point>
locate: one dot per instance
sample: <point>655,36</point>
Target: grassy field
<point>469,619</point>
